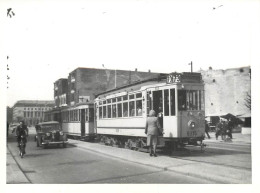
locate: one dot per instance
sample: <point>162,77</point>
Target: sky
<point>46,40</point>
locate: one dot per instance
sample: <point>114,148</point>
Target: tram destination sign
<point>183,77</point>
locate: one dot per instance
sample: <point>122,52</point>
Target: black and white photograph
<point>142,95</point>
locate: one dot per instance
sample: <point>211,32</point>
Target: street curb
<point>15,170</point>
<point>224,179</point>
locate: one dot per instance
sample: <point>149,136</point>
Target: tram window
<point>104,111</point>
<point>190,100</point>
<point>119,109</point>
<point>149,102</point>
<point>114,110</point>
<point>109,111</point>
<point>181,100</point>
<point>131,96</point>
<point>108,100</point>
<point>119,99</point>
<point>202,107</point>
<point>79,115</point>
<point>100,103</point>
<point>86,114</point>
<point>139,108</point>
<point>172,101</point>
<point>138,95</point>
<point>125,109</point>
<point>125,98</point>
<point>132,108</point>
<point>113,100</point>
<point>166,103</point>
<point>100,112</point>
<point>195,100</point>
<point>104,102</point>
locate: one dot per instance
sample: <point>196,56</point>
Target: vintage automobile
<point>50,133</point>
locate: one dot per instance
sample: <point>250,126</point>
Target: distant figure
<point>152,130</point>
<point>230,128</point>
<point>219,128</point>
<point>7,129</point>
<point>224,130</point>
<point>207,128</point>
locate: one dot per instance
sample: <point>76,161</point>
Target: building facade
<point>61,92</point>
<point>226,91</point>
<point>84,83</point>
<point>31,111</point>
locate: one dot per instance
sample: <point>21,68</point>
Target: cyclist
<point>21,130</point>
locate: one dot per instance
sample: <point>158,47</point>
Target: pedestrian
<point>230,128</point>
<point>219,128</point>
<point>207,128</point>
<point>7,129</point>
<point>224,130</point>
<point>152,130</point>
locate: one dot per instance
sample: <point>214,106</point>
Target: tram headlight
<point>61,133</point>
<point>191,124</point>
<point>48,134</point>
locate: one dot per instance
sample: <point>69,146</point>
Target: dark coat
<point>152,126</point>
<point>21,130</point>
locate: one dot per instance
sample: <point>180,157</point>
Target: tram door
<point>157,101</point>
<point>158,105</point>
<point>82,122</point>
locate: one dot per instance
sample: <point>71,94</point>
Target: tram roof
<point>158,79</point>
<point>185,76</point>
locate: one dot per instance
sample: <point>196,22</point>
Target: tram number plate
<point>191,133</point>
<point>117,130</point>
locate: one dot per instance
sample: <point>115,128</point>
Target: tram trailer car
<point>121,113</point>
<point>78,122</point>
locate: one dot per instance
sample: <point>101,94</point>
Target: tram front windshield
<point>190,100</point>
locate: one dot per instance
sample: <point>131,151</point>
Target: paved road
<point>75,165</point>
<point>224,154</point>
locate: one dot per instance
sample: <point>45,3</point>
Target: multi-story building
<point>84,83</point>
<point>60,92</point>
<point>31,111</point>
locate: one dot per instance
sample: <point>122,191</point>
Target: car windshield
<point>48,128</point>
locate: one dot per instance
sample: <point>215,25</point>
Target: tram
<point>78,121</point>
<point>121,113</point>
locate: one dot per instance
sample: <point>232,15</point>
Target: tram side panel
<point>170,127</point>
<point>125,126</point>
<point>74,128</point>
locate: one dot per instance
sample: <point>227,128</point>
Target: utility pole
<point>115,78</point>
<point>190,66</point>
